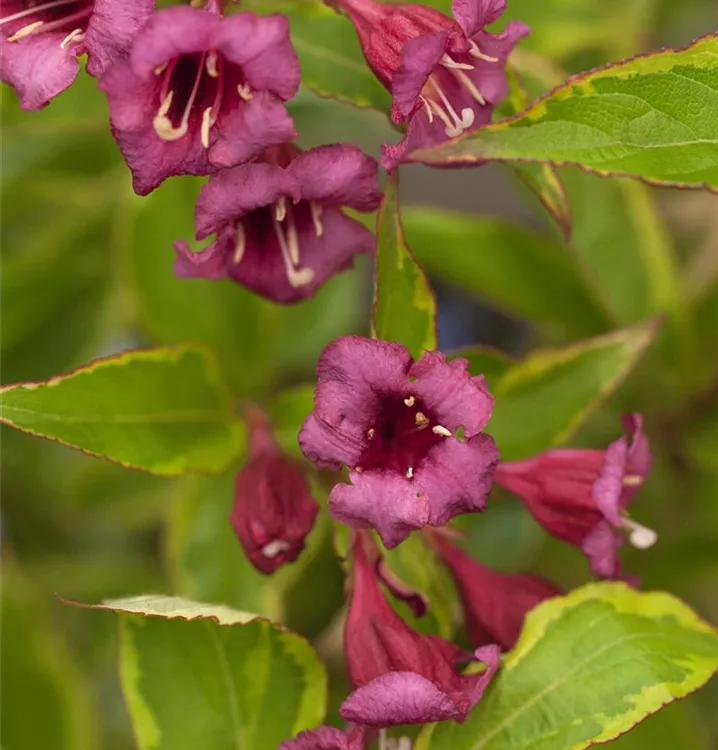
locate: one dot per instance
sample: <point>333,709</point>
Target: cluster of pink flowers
<point>194,91</point>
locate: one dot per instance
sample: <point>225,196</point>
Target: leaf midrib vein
<point>229,684</point>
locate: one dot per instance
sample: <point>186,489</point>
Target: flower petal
<point>491,656</point>
<point>473,15</point>
<point>399,698</point>
<point>451,394</point>
<point>171,32</point>
<point>639,453</point>
<point>608,487</point>
<point>419,57</point>
<point>262,47</point>
<point>381,500</point>
<point>456,476</point>
<point>112,30</point>
<point>248,129</point>
<point>601,546</point>
<point>208,264</point>
<point>339,174</point>
<point>38,68</point>
<point>354,374</point>
<point>233,193</point>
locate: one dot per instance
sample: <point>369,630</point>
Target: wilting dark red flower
<point>393,422</point>
<point>581,496</point>
<point>42,41</point>
<point>402,676</point>
<point>200,92</point>
<point>329,738</point>
<point>273,511</point>
<point>446,76</point>
<point>495,604</point>
<point>278,224</point>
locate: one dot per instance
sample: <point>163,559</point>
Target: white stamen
<point>632,480</point>
<point>410,401</point>
<point>427,109</point>
<point>34,9</point>
<point>459,124</point>
<point>244,91</point>
<point>25,31</point>
<point>468,84</point>
<point>76,35</point>
<point>316,210</point>
<point>641,537</point>
<point>211,64</point>
<point>163,125</point>
<point>160,69</point>
<point>240,245</point>
<point>421,420</point>
<point>370,433</point>
<point>274,548</point>
<point>293,242</point>
<point>358,469</point>
<point>409,472</point>
<point>438,429</point>
<point>280,208</point>
<point>447,62</point>
<point>206,124</point>
<point>479,55</point>
<point>296,276</point>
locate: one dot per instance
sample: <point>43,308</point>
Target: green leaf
<point>330,56</point>
<point>287,411</point>
<point>163,410</point>
<point>484,360</point>
<point>587,667</point>
<point>500,262</point>
<point>198,675</point>
<point>39,675</point>
<point>542,400</point>
<point>404,304</point>
<point>416,565</point>
<point>651,117</point>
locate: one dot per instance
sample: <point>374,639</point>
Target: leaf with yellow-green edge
<point>651,117</point>
<point>587,668</point>
<point>199,675</point>
<point>404,304</point>
<point>164,410</point>
<point>543,399</point>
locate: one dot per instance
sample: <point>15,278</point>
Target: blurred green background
<point>87,271</point>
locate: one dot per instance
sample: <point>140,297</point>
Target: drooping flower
<point>402,676</point>
<point>446,76</point>
<point>393,422</point>
<point>581,496</point>
<point>201,92</point>
<point>495,604</point>
<point>329,738</point>
<point>273,510</point>
<point>278,224</point>
<point>43,40</point>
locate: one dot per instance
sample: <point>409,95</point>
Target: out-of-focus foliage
<point>87,272</point>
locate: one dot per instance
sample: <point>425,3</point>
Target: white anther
<point>160,69</point>
<point>211,64</point>
<point>162,124</point>
<point>409,473</point>
<point>640,537</point>
<point>358,469</point>
<point>280,208</point>
<point>206,125</point>
<point>274,548</point>
<point>316,211</point>
<point>410,401</point>
<point>421,420</point>
<point>370,433</point>
<point>438,429</point>
<point>25,31</point>
<point>241,244</point>
<point>479,55</point>
<point>244,91</point>
<point>76,35</point>
<point>455,125</point>
<point>447,62</point>
<point>632,480</point>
